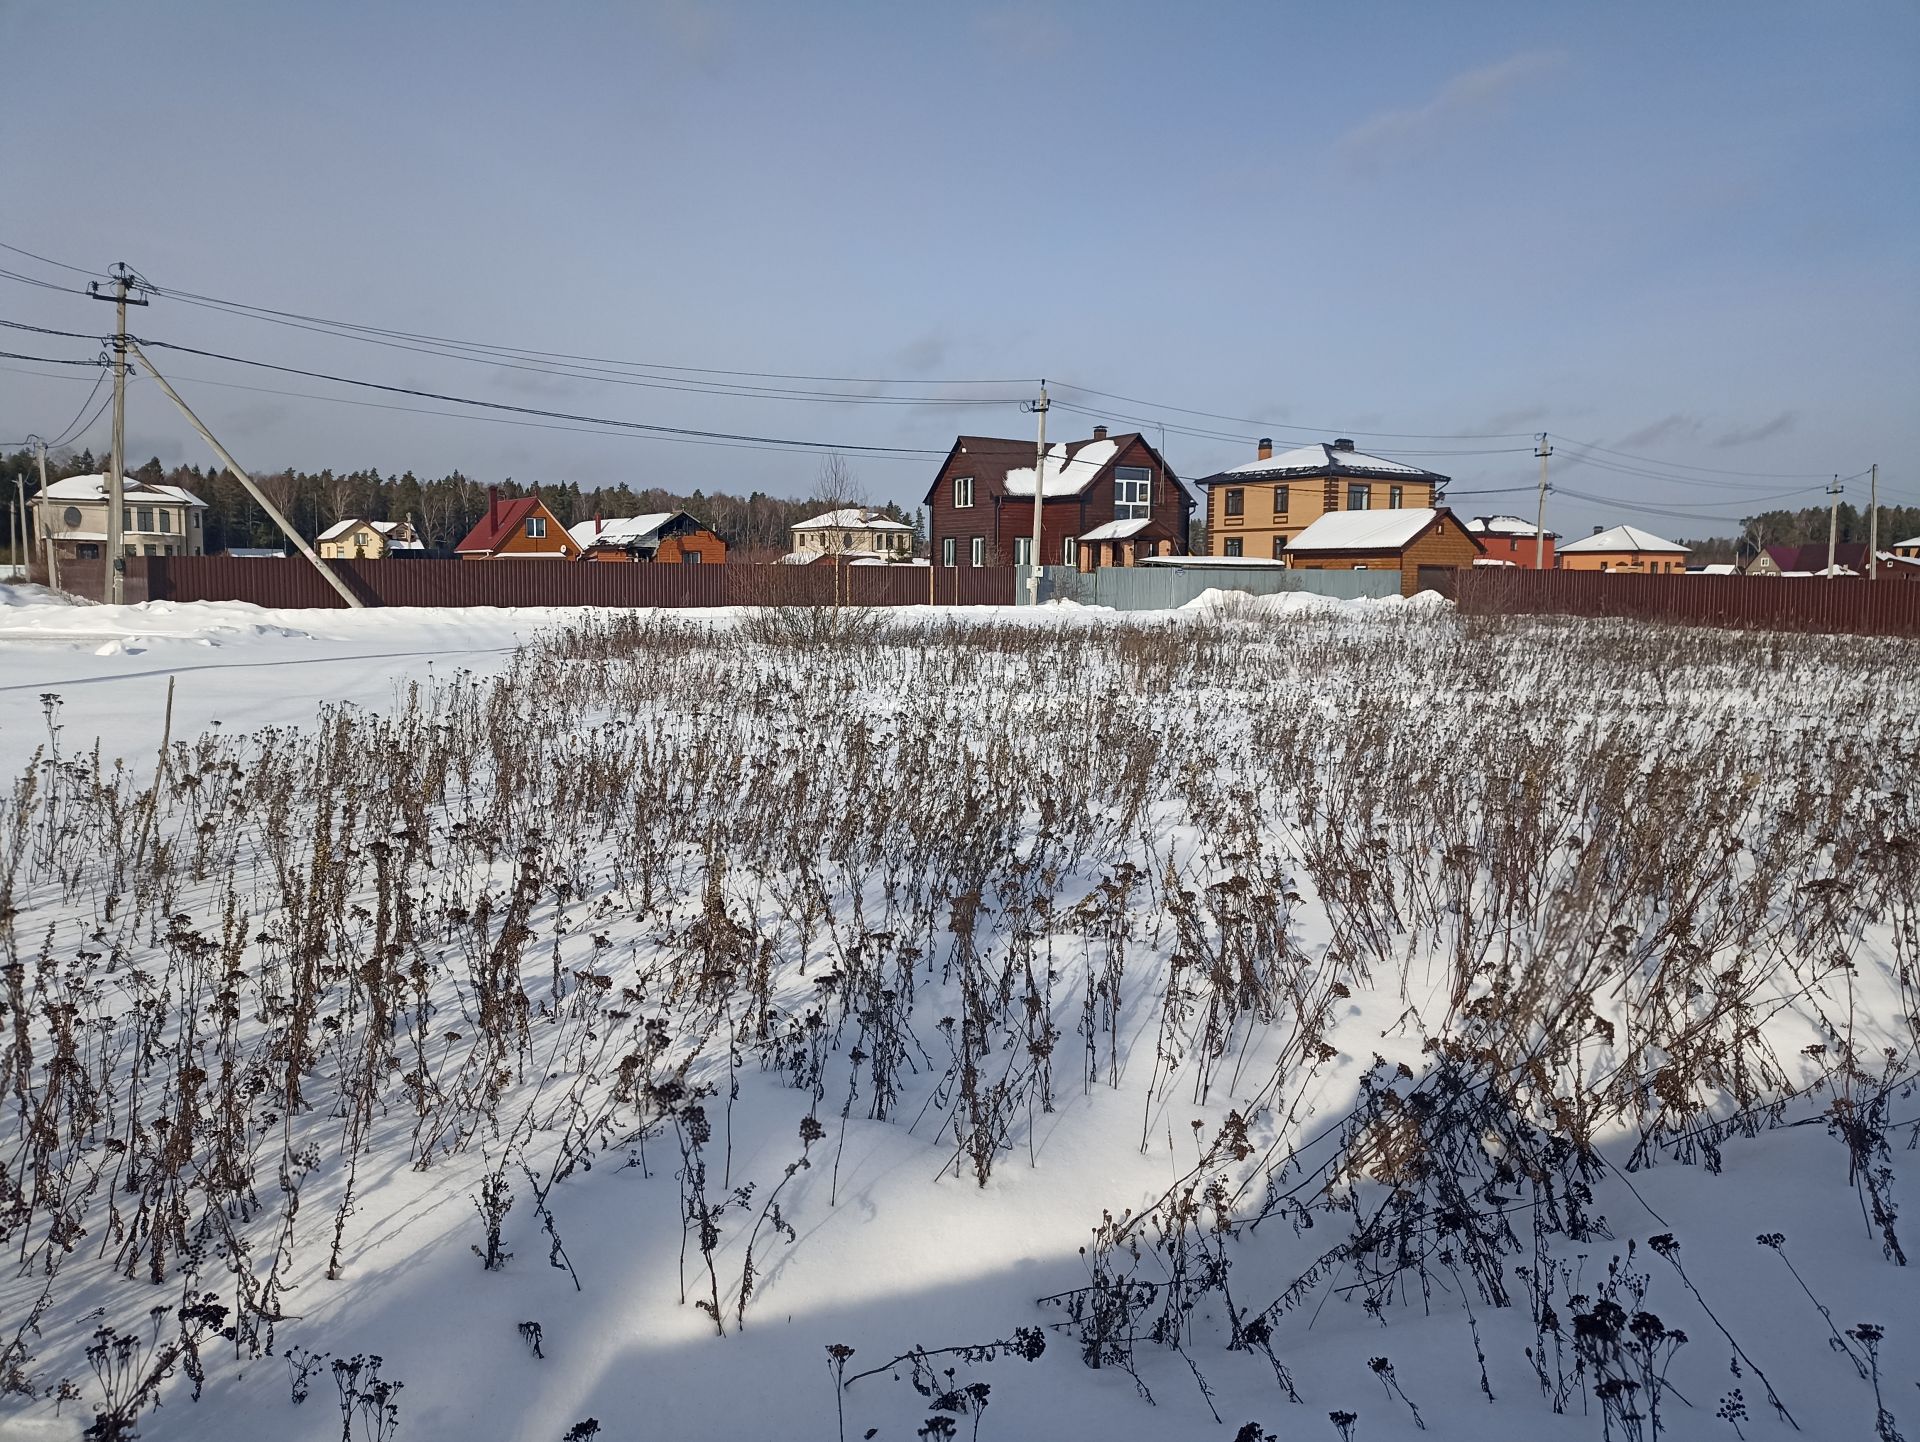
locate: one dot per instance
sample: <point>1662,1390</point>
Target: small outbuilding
<point>1402,541</point>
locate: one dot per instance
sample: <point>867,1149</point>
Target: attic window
<point>1133,493</point>
<point>536,528</point>
<point>962,492</point>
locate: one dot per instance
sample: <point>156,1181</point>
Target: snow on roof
<point>618,530</point>
<point>1204,561</point>
<point>340,528</point>
<point>1493,561</point>
<point>1502,526</point>
<point>1623,538</point>
<point>1912,541</point>
<point>1117,530</point>
<point>1067,475</point>
<point>1320,458</point>
<point>1720,568</point>
<point>851,518</point>
<point>94,488</point>
<point>1363,530</point>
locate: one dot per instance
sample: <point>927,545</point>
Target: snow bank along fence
<point>292,582</point>
<point>1160,588</point>
<point>1849,605</point>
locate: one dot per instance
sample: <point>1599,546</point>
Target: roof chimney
<point>1598,529</point>
<point>1099,433</point>
<point>1343,444</point>
<point>493,506</point>
<point>596,523</point>
<point>1266,448</point>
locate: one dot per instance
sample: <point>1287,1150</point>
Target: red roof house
<point>519,530</point>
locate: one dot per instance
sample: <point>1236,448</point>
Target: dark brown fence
<point>292,582</point>
<point>1851,605</point>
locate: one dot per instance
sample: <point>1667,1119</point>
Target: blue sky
<point>1687,233</point>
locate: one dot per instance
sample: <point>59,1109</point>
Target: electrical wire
<point>1685,466</point>
<point>57,264</point>
<point>68,432</point>
<point>1316,430</point>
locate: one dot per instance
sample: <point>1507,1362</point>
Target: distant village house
<point>849,532</point>
<point>1107,501</point>
<point>1257,509</point>
<point>517,530</point>
<point>156,520</point>
<point>355,539</point>
<point>661,537</point>
<point>1513,541</point>
<point>1626,550</point>
<point>1392,540</point>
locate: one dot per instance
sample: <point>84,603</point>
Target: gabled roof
<point>1622,538</point>
<point>1367,530</point>
<point>1813,556</point>
<point>1321,459</point>
<point>1118,530</point>
<point>851,518</point>
<point>94,488</point>
<point>619,530</point>
<point>1505,526</point>
<point>1912,541</point>
<point>1072,466</point>
<point>497,523</point>
<point>340,528</point>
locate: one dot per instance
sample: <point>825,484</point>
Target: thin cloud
<point>1765,431</point>
<point>1397,136</point>
<point>1022,33</point>
<point>1667,428</point>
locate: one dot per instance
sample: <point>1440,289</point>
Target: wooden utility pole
<point>1039,498</point>
<point>123,280</point>
<point>1833,524</point>
<point>46,526</point>
<point>1540,515</point>
<point>227,460</point>
<point>1873,525</point>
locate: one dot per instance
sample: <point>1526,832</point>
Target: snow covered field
<point>1329,1020</point>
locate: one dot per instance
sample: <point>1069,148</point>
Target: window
<point>946,551</point>
<point>1279,548</point>
<point>151,549</point>
<point>166,550</point>
<point>689,558</point>
<point>146,518</point>
<point>126,518</point>
<point>978,549</point>
<point>362,539</point>
<point>196,520</point>
<point>1132,493</point>
<point>87,551</point>
<point>166,523</point>
<point>1022,550</point>
<point>962,492</point>
<point>1393,497</point>
<point>1070,552</point>
<point>536,528</point>
<point>1235,503</point>
<point>1234,546</point>
<point>71,515</point>
<point>1279,501</point>
<point>1357,496</point>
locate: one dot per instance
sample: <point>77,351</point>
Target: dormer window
<point>1132,493</point>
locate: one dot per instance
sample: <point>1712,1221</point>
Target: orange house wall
<point>1633,563</point>
<point>555,543</point>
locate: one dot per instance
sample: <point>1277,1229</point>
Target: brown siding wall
<point>1845,605</point>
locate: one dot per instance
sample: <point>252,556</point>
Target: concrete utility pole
<point>123,280</point>
<point>1833,524</point>
<point>1540,517</point>
<point>20,526</point>
<point>1873,525</point>
<point>1039,497</point>
<point>227,460</point>
<point>46,526</point>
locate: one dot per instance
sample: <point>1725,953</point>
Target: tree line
<point>444,508</point>
<point>1804,527</point>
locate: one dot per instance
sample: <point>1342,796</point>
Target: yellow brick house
<point>1257,509</point>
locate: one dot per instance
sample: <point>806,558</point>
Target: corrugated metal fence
<point>294,583</point>
<point>1850,605</point>
<point>1161,588</point>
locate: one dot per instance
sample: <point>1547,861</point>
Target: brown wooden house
<point>517,530</point>
<point>1403,541</point>
<point>1110,500</point>
<point>663,537</point>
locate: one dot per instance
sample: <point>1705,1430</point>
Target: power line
<point>1685,466</point>
<point>1316,430</point>
<point>58,264</point>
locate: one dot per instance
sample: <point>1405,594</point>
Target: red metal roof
<point>500,521</point>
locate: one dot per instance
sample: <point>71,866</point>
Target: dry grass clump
<point>937,874</point>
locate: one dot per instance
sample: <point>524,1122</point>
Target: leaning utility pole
<point>1873,525</point>
<point>1039,408</point>
<point>227,460</point>
<point>1540,518</point>
<point>1833,524</point>
<point>123,280</point>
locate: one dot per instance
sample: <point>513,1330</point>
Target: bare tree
<point>835,488</point>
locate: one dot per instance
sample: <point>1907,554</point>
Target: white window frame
<point>977,551</point>
<point>1022,550</point>
<point>1126,507</point>
<point>536,528</point>
<point>1366,496</point>
<point>963,493</point>
<point>1233,547</point>
<point>948,549</point>
<point>1070,552</point>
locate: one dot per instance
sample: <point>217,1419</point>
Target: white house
<point>156,520</point>
<point>852,531</point>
